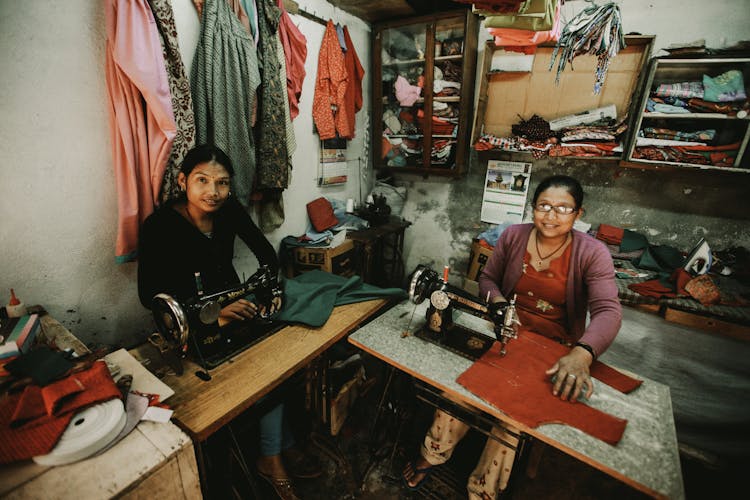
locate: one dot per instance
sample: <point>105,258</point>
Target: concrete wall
<point>673,208</point>
<point>57,194</point>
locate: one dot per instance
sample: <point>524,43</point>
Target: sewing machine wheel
<point>420,285</point>
<point>440,300</point>
<point>209,313</point>
<point>170,318</point>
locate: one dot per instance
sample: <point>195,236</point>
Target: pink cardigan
<point>591,283</point>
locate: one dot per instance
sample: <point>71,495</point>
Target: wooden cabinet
<point>423,92</point>
<point>724,133</point>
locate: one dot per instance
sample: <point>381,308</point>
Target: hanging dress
<point>182,102</point>
<point>142,124</point>
<point>224,81</point>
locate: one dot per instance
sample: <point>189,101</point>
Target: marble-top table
<point>646,457</point>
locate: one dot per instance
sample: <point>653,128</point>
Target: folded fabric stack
<point>724,94</point>
<point>441,152</point>
<point>522,29</point>
<point>595,139</point>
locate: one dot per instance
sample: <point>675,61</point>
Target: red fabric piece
<point>516,384</point>
<point>485,244</point>
<point>345,121</point>
<point>21,440</point>
<point>40,401</point>
<point>295,54</point>
<point>321,215</point>
<point>655,288</point>
<point>610,234</point>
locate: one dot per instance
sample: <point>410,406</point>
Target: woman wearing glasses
<point>558,275</point>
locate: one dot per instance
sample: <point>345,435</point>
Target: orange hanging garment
<point>330,85</point>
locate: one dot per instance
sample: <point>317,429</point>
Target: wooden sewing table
<point>202,407</point>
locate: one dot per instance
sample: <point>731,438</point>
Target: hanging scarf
<point>596,31</point>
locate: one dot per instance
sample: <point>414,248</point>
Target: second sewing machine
<point>441,328</point>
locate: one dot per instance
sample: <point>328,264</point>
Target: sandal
<point>427,471</point>
<point>282,486</point>
<point>301,465</point>
<point>305,468</point>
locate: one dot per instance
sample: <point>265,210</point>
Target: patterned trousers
<point>491,473</point>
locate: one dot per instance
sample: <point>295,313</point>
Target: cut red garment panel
<point>37,436</point>
<point>517,385</point>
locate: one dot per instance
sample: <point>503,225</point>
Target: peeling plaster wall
<point>670,208</point>
<point>57,195</point>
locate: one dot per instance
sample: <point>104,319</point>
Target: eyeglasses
<point>560,209</point>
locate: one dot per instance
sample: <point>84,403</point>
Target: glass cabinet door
<point>446,90</point>
<point>403,79</point>
<point>423,92</point>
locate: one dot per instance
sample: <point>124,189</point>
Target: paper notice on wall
<point>333,165</point>
<point>506,188</point>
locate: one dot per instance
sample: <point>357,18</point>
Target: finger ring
<point>571,376</point>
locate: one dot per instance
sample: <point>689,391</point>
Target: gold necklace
<point>539,253</point>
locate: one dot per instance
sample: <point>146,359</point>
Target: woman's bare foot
<point>416,471</point>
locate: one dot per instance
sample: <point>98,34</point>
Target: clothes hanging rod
<point>312,17</point>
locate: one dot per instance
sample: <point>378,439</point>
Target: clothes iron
<point>699,259</point>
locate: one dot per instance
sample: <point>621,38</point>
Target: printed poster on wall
<point>506,188</point>
<point>333,166</point>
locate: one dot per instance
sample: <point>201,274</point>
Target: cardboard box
<point>338,260</point>
<point>478,258</point>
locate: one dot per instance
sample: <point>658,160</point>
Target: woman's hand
<point>571,375</point>
<point>275,307</point>
<point>238,310</point>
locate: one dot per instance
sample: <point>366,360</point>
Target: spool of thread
<point>446,271</point>
<point>15,307</point>
<point>350,206</point>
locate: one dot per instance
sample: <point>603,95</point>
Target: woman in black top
<point>195,234</point>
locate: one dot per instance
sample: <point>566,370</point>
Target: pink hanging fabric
<point>295,53</point>
<point>142,124</point>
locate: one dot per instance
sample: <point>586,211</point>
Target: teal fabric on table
<point>310,297</point>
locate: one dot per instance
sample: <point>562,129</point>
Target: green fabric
<point>310,297</point>
<point>224,78</point>
<point>660,258</point>
<point>632,241</point>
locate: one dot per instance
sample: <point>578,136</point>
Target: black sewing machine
<point>192,327</point>
<point>441,329</point>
